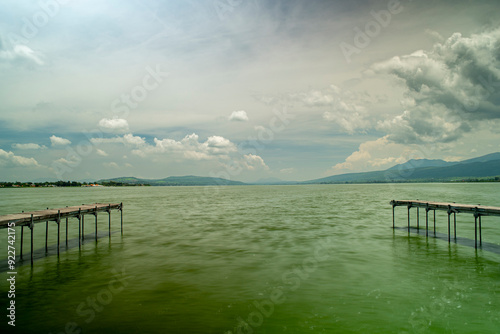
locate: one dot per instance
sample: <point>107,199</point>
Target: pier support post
<point>418,218</point>
<point>449,232</point>
<point>22,234</point>
<point>83,227</point>
<point>393,219</point>
<point>121,217</point>
<point>66,232</point>
<point>95,214</point>
<point>434,222</point>
<point>455,225</point>
<point>476,215</point>
<point>32,227</point>
<point>480,233</point>
<point>79,228</point>
<point>58,229</point>
<point>409,207</point>
<point>427,220</point>
<point>475,230</point>
<point>109,220</point>
<point>46,236</point>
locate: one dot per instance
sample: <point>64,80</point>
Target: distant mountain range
<point>419,170</point>
<point>415,170</point>
<point>272,180</point>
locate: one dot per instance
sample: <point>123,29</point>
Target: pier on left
<point>30,219</point>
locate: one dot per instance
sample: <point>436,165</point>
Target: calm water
<point>258,259</point>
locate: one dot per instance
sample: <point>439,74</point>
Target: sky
<point>244,89</point>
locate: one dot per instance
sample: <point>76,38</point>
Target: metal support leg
<point>79,228</point>
<point>434,222</point>
<point>393,221</point>
<point>66,232</point>
<point>409,219</point>
<point>121,217</point>
<point>480,234</point>
<point>475,231</point>
<point>449,232</point>
<point>58,230</point>
<point>109,221</point>
<point>418,218</point>
<point>22,235</point>
<point>95,223</point>
<point>455,225</point>
<point>32,227</point>
<point>58,235</point>
<point>46,236</point>
<point>426,222</point>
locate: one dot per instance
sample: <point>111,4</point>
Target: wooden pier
<point>451,208</point>
<point>29,219</point>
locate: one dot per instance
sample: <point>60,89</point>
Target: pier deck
<point>451,208</point>
<point>29,219</point>
<point>24,218</point>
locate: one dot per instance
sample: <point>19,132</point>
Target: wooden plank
<point>53,214</point>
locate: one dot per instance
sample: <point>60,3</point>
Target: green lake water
<point>257,259</point>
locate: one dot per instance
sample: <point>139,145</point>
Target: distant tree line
<point>18,184</point>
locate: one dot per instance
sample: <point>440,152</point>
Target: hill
<point>421,163</point>
<point>424,170</point>
<point>272,181</point>
<point>415,170</point>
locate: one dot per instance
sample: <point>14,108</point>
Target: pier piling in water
<point>477,210</point>
<point>32,226</point>
<point>30,218</point>
<point>95,214</point>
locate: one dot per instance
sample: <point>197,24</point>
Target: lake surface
<point>258,259</point>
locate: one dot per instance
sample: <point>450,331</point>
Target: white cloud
<point>128,139</point>
<point>29,146</point>
<point>434,34</point>
<point>348,109</point>
<point>316,98</point>
<point>58,141</point>
<point>349,121</point>
<point>240,116</point>
<point>139,153</point>
<point>218,145</point>
<point>377,154</point>
<point>287,170</point>
<point>190,148</point>
<point>64,161</point>
<point>72,161</point>
<point>118,125</point>
<point>254,162</point>
<point>110,165</point>
<point>133,140</point>
<point>101,153</point>
<point>451,88</point>
<point>214,148</point>
<point>9,159</point>
<point>20,52</point>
